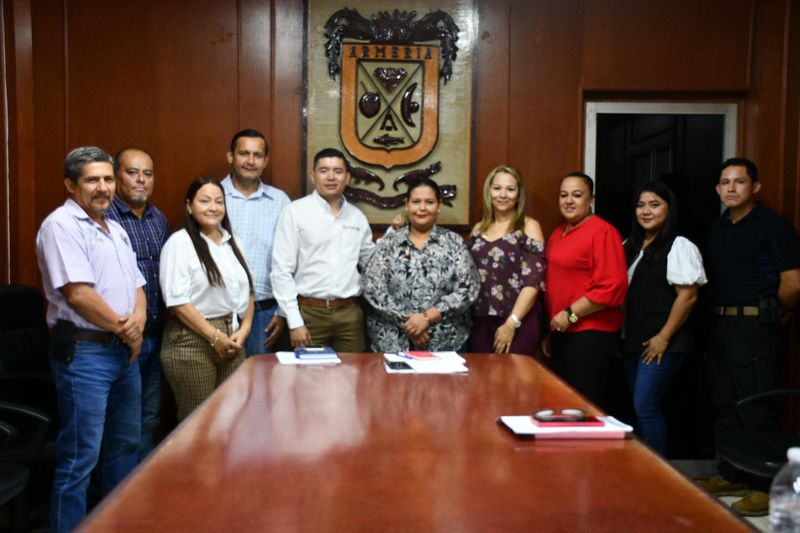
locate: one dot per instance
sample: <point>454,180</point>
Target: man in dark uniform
<point>754,269</point>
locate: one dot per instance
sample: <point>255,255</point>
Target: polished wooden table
<point>352,448</point>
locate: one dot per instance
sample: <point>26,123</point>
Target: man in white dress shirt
<point>320,243</point>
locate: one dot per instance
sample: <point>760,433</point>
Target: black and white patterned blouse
<point>401,279</point>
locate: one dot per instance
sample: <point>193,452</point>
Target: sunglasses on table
<point>571,414</point>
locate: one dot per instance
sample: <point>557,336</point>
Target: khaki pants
<point>191,366</point>
<point>342,329</point>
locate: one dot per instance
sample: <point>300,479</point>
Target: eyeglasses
<point>571,414</point>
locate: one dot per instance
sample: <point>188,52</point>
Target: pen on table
<point>404,356</point>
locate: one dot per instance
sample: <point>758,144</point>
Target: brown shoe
<point>719,486</point>
<point>754,503</point>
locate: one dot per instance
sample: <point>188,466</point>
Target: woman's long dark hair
<point>667,234</point>
<point>200,245</point>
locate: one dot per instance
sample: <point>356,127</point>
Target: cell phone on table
<point>398,365</point>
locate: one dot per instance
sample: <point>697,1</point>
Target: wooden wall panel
<point>765,138</point>
<point>7,26</point>
<point>20,229</point>
<point>169,84</point>
<point>545,100</point>
<point>50,137</point>
<point>791,203</point>
<point>491,95</point>
<point>680,45</point>
<point>254,41</point>
<point>287,97</point>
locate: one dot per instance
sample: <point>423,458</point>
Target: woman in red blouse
<point>586,281</point>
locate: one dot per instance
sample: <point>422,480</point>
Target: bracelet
<point>659,339</point>
<point>216,338</point>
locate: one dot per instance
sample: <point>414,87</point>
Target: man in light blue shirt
<point>253,208</point>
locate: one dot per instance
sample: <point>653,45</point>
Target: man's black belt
<point>736,310</point>
<point>265,304</point>
<point>100,337</point>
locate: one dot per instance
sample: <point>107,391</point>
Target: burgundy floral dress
<point>506,265</point>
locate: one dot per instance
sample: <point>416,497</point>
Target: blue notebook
<point>315,352</point>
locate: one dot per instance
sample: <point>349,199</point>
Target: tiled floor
<point>707,468</point>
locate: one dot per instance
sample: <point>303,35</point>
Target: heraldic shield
<point>390,102</point>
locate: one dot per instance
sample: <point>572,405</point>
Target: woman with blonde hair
<point>508,250</point>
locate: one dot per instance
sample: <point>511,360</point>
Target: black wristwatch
<point>572,317</point>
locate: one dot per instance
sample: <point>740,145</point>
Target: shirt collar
<point>263,189</point>
<point>125,209</point>
<point>78,212</point>
<point>436,232</point>
<point>225,236</point>
<point>322,202</point>
<point>752,215</point>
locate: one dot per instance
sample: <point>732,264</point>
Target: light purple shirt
<point>73,248</point>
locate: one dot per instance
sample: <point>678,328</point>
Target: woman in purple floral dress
<point>508,250</point>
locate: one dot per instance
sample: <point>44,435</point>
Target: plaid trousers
<point>191,366</point>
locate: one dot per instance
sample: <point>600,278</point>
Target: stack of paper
<point>526,426</point>
<point>292,358</point>
<point>426,363</point>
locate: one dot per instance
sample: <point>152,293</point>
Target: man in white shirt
<point>253,209</point>
<point>320,243</point>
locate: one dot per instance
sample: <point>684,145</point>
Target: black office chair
<point>22,433</point>
<point>13,477</point>
<point>761,452</point>
<point>25,377</point>
<point>30,432</point>
<point>24,334</point>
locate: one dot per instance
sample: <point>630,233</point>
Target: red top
<point>587,261</point>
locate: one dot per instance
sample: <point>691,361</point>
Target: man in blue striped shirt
<point>148,230</point>
<point>253,208</point>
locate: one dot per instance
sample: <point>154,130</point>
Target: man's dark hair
<point>119,155</point>
<point>80,157</point>
<point>585,177</point>
<point>249,133</point>
<point>331,152</point>
<point>752,169</point>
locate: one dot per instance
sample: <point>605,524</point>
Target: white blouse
<point>684,264</point>
<point>183,278</point>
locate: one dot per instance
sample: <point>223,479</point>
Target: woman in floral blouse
<point>421,281</point>
<point>508,251</point>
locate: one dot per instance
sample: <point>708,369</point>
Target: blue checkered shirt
<point>253,219</point>
<point>147,236</point>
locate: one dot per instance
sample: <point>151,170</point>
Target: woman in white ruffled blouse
<point>664,273</point>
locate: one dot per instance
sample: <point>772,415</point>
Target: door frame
<point>730,112</point>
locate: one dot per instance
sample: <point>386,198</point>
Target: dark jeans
<point>583,360</point>
<point>150,370</point>
<point>648,384</point>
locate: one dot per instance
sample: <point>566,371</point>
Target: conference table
<point>350,447</point>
